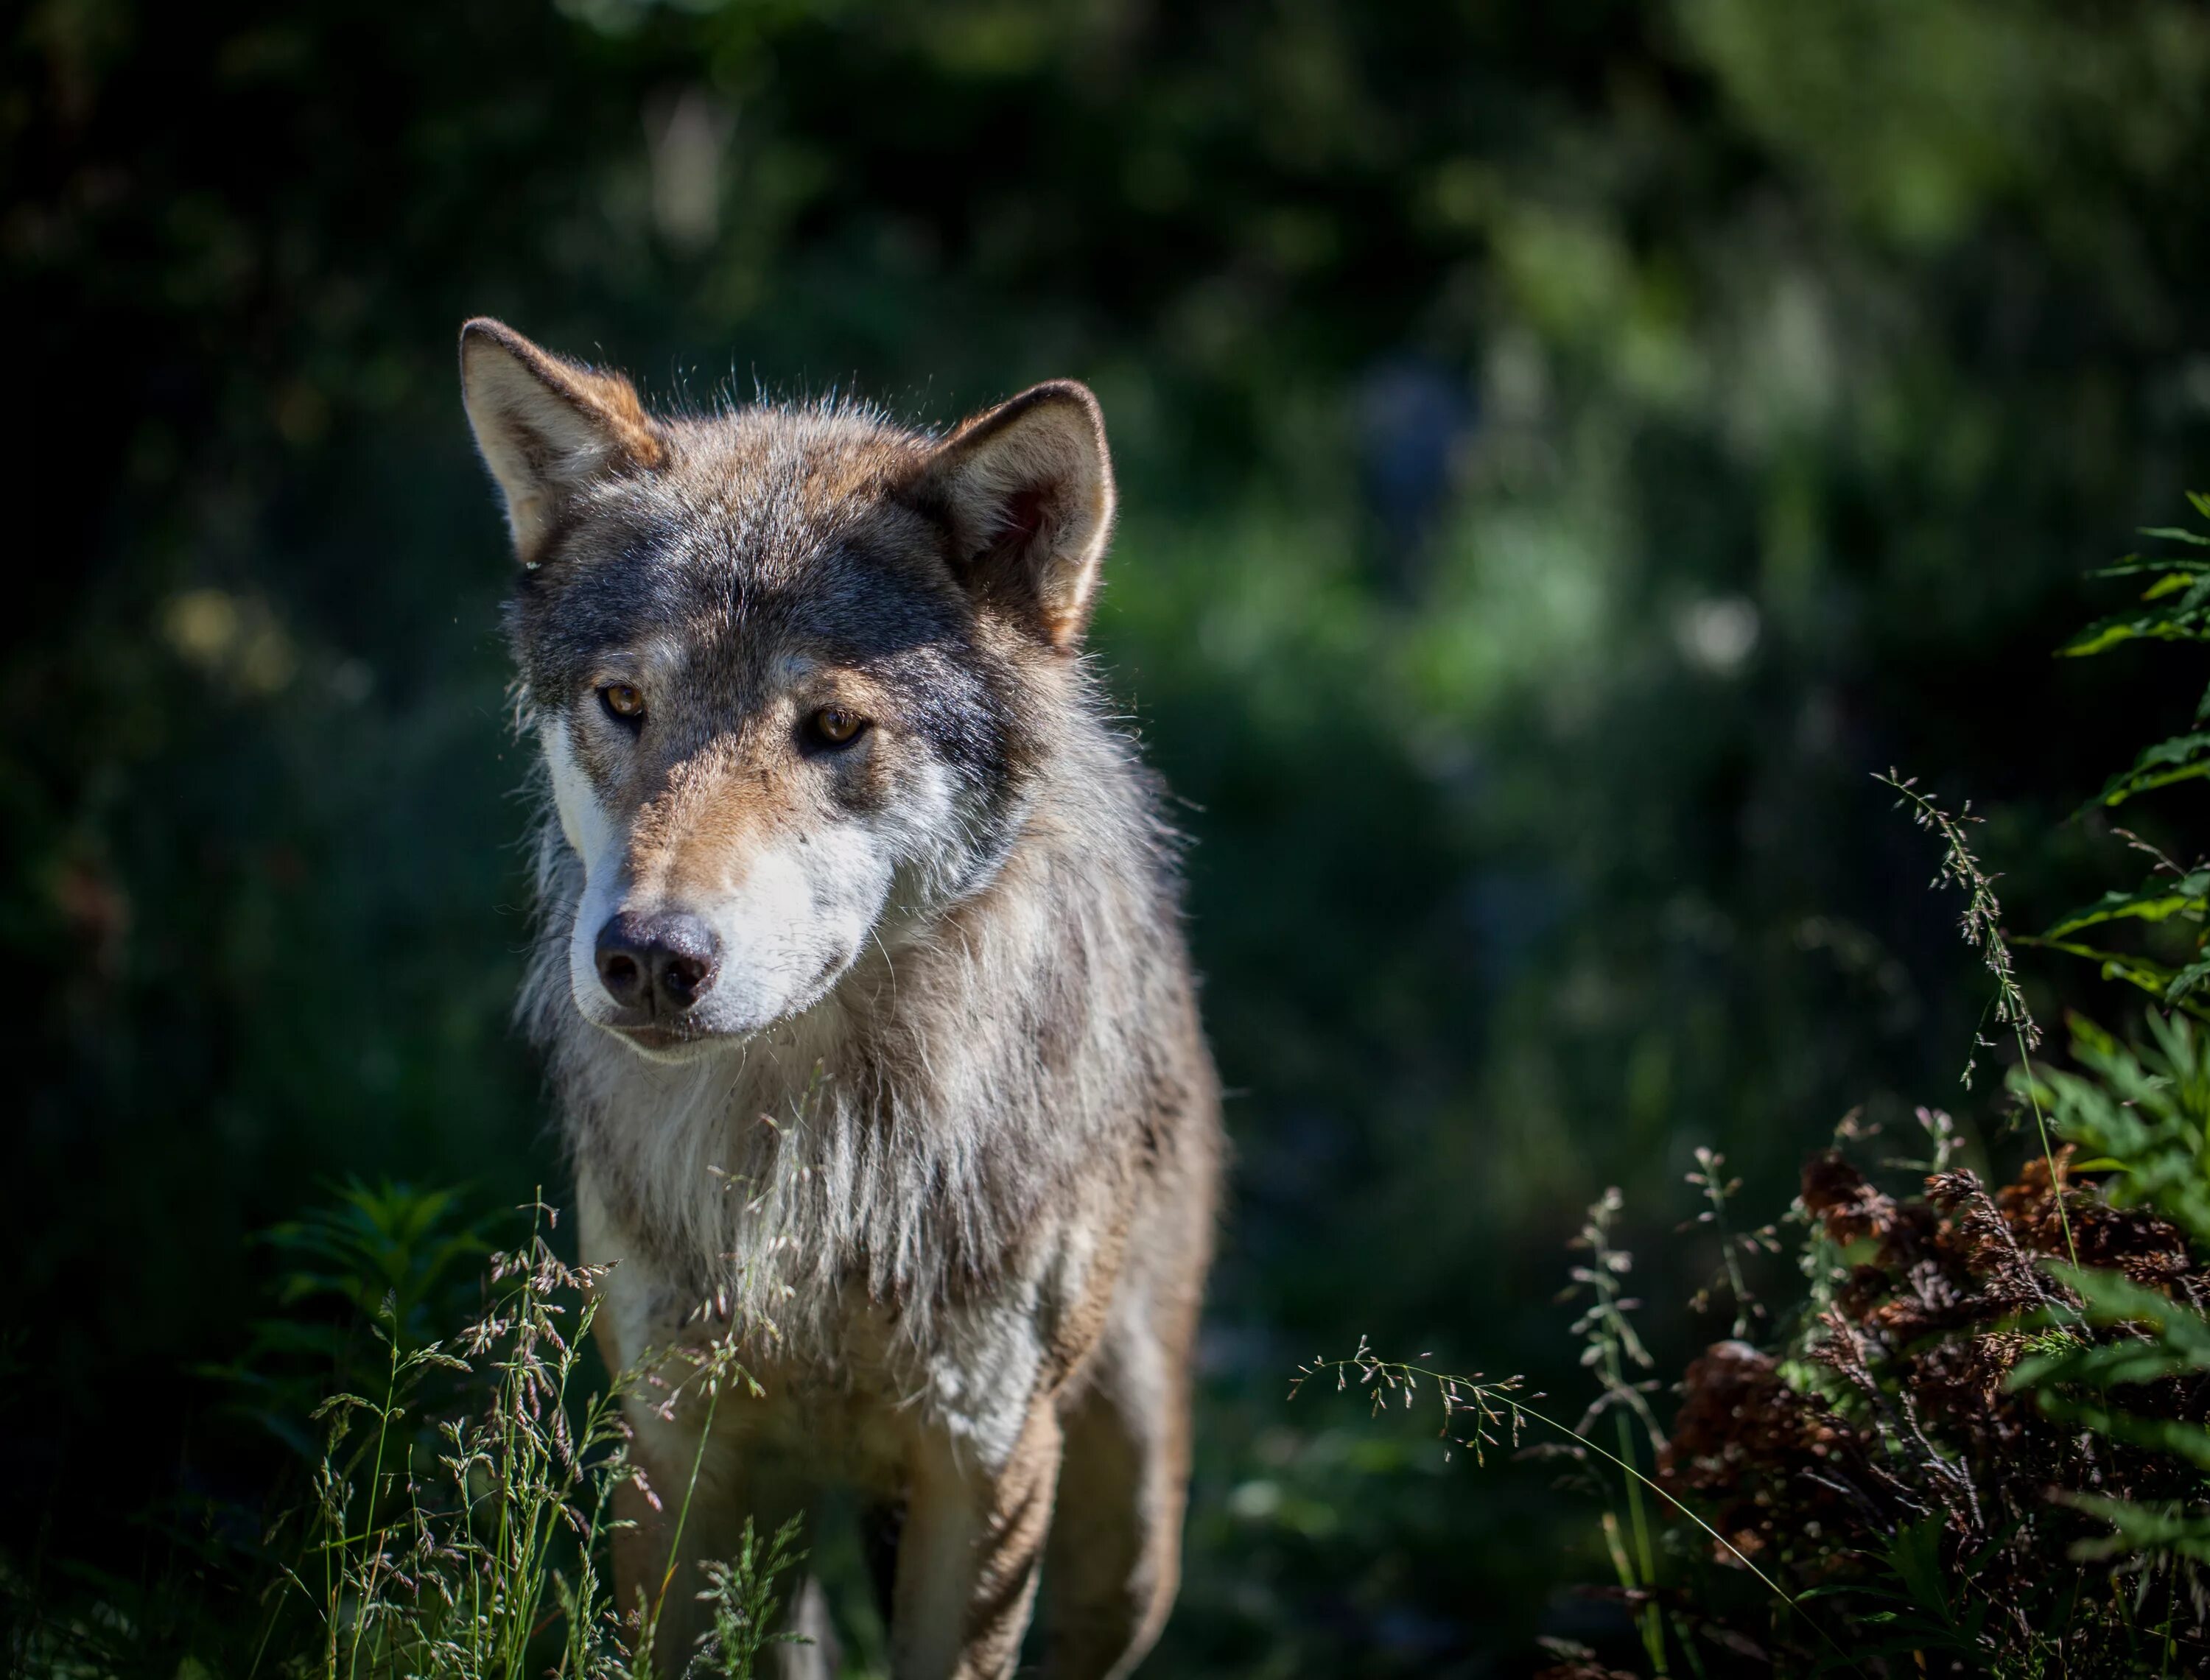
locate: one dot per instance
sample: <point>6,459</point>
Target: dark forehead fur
<point>772,531</point>
<point>769,529</point>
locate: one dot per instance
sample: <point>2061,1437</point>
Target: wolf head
<point>794,670</point>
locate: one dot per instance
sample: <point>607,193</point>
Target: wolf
<point>862,983</point>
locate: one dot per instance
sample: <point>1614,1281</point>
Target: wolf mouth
<point>661,1037</point>
<point>664,1043</point>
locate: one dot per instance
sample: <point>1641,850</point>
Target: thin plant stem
<point>683,1512</point>
<point>1653,1630</point>
<point>1502,1398</point>
<point>369,1531</point>
<point>2048,1155</point>
<point>1981,924</point>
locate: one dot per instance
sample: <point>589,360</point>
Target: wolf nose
<point>662,964</point>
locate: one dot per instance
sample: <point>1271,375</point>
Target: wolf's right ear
<point>547,426</point>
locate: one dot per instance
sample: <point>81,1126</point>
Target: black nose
<point>662,964</point>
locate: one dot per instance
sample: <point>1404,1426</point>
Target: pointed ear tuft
<point>547,426</point>
<point>1026,489</point>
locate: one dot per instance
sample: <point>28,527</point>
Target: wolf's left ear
<point>1026,490</point>
<point>547,426</point>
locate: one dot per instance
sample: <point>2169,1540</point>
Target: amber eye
<point>836,726</point>
<point>623,701</point>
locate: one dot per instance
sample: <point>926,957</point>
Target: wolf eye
<point>835,726</point>
<point>624,701</point>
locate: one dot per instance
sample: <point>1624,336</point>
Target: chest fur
<point>846,1382</point>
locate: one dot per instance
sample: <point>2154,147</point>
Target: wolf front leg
<point>970,1552</point>
<point>1115,1554</point>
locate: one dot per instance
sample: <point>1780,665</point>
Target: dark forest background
<point>1566,451</point>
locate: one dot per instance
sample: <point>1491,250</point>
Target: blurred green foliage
<point>1567,451</point>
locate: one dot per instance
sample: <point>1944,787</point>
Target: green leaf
<point>2154,977</point>
<point>1915,1554</point>
<point>2112,1298</point>
<point>2186,1441</point>
<point>2108,633</point>
<point>2182,986</point>
<point>2141,1111</point>
<point>2182,758</point>
<point>2167,1339</point>
<point>2161,899</point>
<point>2170,584</point>
<point>2141,1528</point>
<point>2134,566</point>
<point>2100,1365</point>
<point>2186,619</point>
